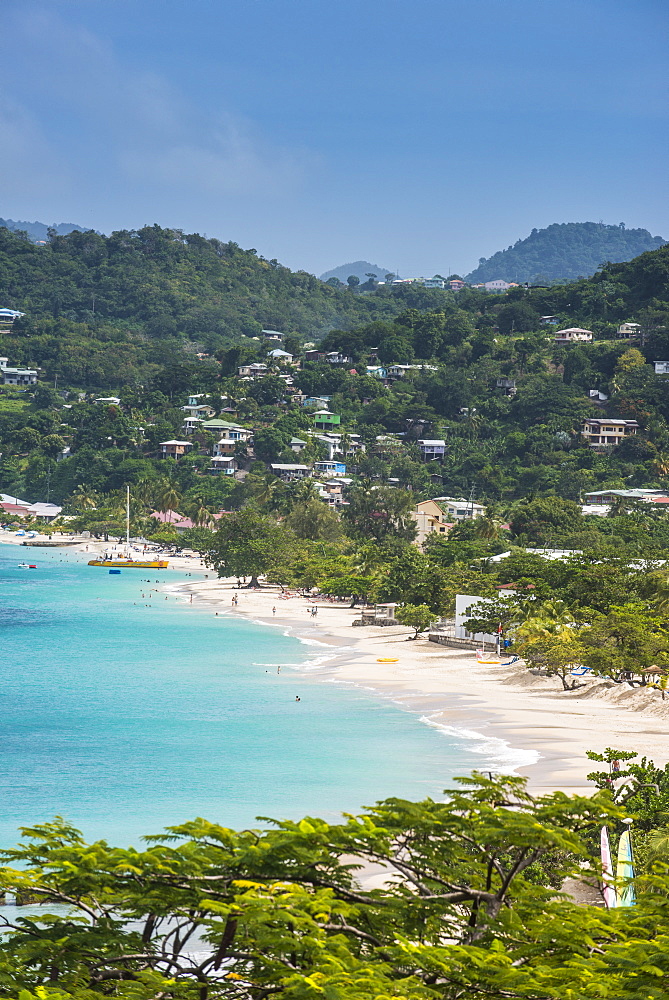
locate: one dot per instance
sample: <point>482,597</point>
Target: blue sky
<point>419,136</point>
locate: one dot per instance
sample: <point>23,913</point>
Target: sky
<point>417,135</point>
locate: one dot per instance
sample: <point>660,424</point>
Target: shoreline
<point>522,722</point>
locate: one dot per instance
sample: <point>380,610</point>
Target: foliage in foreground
<point>470,908</point>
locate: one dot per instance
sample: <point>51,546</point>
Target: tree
<point>246,543</point>
<point>352,281</point>
<point>416,616</point>
<point>546,520</point>
<point>314,520</point>
<point>380,511</point>
<point>469,909</point>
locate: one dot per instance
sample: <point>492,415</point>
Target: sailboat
<point>127,561</point>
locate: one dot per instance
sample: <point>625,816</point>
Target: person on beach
<point>273,611</point>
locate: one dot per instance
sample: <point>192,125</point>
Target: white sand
<point>510,710</point>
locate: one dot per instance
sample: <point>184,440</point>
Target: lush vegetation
<point>470,909</point>
<point>564,251</point>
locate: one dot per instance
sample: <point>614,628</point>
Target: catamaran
<point>127,561</point>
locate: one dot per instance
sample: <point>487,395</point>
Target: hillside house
<point>661,367</point>
<point>334,444</point>
<point>434,283</point>
<point>175,449</point>
<point>280,357</point>
<point>9,315</point>
<point>627,331</point>
<point>438,516</point>
<point>456,284</point>
<point>498,285</point>
<point>549,320</point>
<point>602,432</point>
<point>297,445</point>
<point>191,424</point>
<point>334,469</point>
<point>255,370</point>
<point>333,491</point>
<point>225,465</point>
<point>271,335</point>
<point>320,401</point>
<point>287,471</point>
<point>573,335</point>
<point>17,376</point>
<point>324,420</point>
<point>200,410</point>
<point>432,450</point>
<point>609,496</point>
<point>508,384</point>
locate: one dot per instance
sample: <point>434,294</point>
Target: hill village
<point>211,426</point>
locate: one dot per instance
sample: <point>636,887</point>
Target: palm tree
<point>84,499</point>
<point>167,496</point>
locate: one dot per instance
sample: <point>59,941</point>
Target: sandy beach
<point>517,720</point>
<point>527,723</point>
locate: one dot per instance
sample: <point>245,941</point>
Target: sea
<point>125,709</point>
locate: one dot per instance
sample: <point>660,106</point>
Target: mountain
<point>564,252</point>
<point>360,268</point>
<point>38,230</point>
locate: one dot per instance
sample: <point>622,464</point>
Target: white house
<point>628,330</point>
<point>281,357</point>
<point>256,370</point>
<point>18,376</point>
<point>272,335</point>
<point>498,285</point>
<point>286,470</point>
<point>573,334</point>
<point>10,314</point>
<point>661,367</point>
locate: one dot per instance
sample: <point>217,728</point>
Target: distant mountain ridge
<point>38,230</point>
<point>360,268</point>
<point>565,251</point>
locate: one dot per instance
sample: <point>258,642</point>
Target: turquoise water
<point>125,718</point>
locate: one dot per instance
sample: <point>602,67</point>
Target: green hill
<point>563,252</point>
<point>40,230</point>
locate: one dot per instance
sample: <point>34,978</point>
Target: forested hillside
<point>564,251</point>
<point>39,230</point>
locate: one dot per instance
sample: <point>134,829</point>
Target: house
<point>441,513</point>
<point>596,396</point>
<point>297,445</point>
<point>199,410</point>
<point>609,496</point>
<point>334,445</point>
<point>231,437</point>
<point>602,432</point>
<point>314,355</point>
<point>287,471</point>
<point>18,376</point>
<point>432,450</point>
<point>225,464</point>
<point>271,335</point>
<point>661,367</point>
<point>224,428</point>
<point>330,468</point>
<point>175,449</point>
<point>549,320</point>
<point>333,491</point>
<point>44,511</point>
<point>9,315</point>
<point>323,419</point>
<point>191,424</point>
<point>316,400</point>
<point>377,371</point>
<point>255,370</point>
<point>399,371</point>
<point>280,357</point>
<point>498,285</point>
<point>193,400</point>
<point>628,330</point>
<point>108,400</point>
<point>572,335</point>
<point>337,358</point>
<point>456,284</point>
<point>434,283</point>
<point>508,384</point>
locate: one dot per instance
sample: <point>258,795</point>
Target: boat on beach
<point>127,561</point>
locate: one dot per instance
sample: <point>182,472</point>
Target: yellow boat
<point>130,563</point>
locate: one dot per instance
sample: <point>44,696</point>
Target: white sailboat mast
<point>127,518</point>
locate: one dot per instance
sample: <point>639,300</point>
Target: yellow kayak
<point>130,563</point>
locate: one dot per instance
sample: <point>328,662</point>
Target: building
<point>9,315</point>
<point>661,367</point>
<point>271,335</point>
<point>434,283</point>
<point>225,429</point>
<point>225,464</point>
<point>297,445</point>
<point>549,320</point>
<point>508,384</point>
<point>610,496</point>
<point>46,512</point>
<point>175,449</point>
<point>334,444</point>
<point>255,370</point>
<point>330,468</point>
<point>441,513</point>
<point>627,331</point>
<point>432,450</point>
<point>456,284</point>
<point>201,410</point>
<point>17,376</point>
<point>286,470</point>
<point>324,420</point>
<point>573,335</point>
<point>191,424</point>
<point>602,432</point>
<point>280,357</point>
<point>498,285</point>
<point>337,358</point>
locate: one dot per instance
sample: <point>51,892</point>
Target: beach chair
<point>581,671</point>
